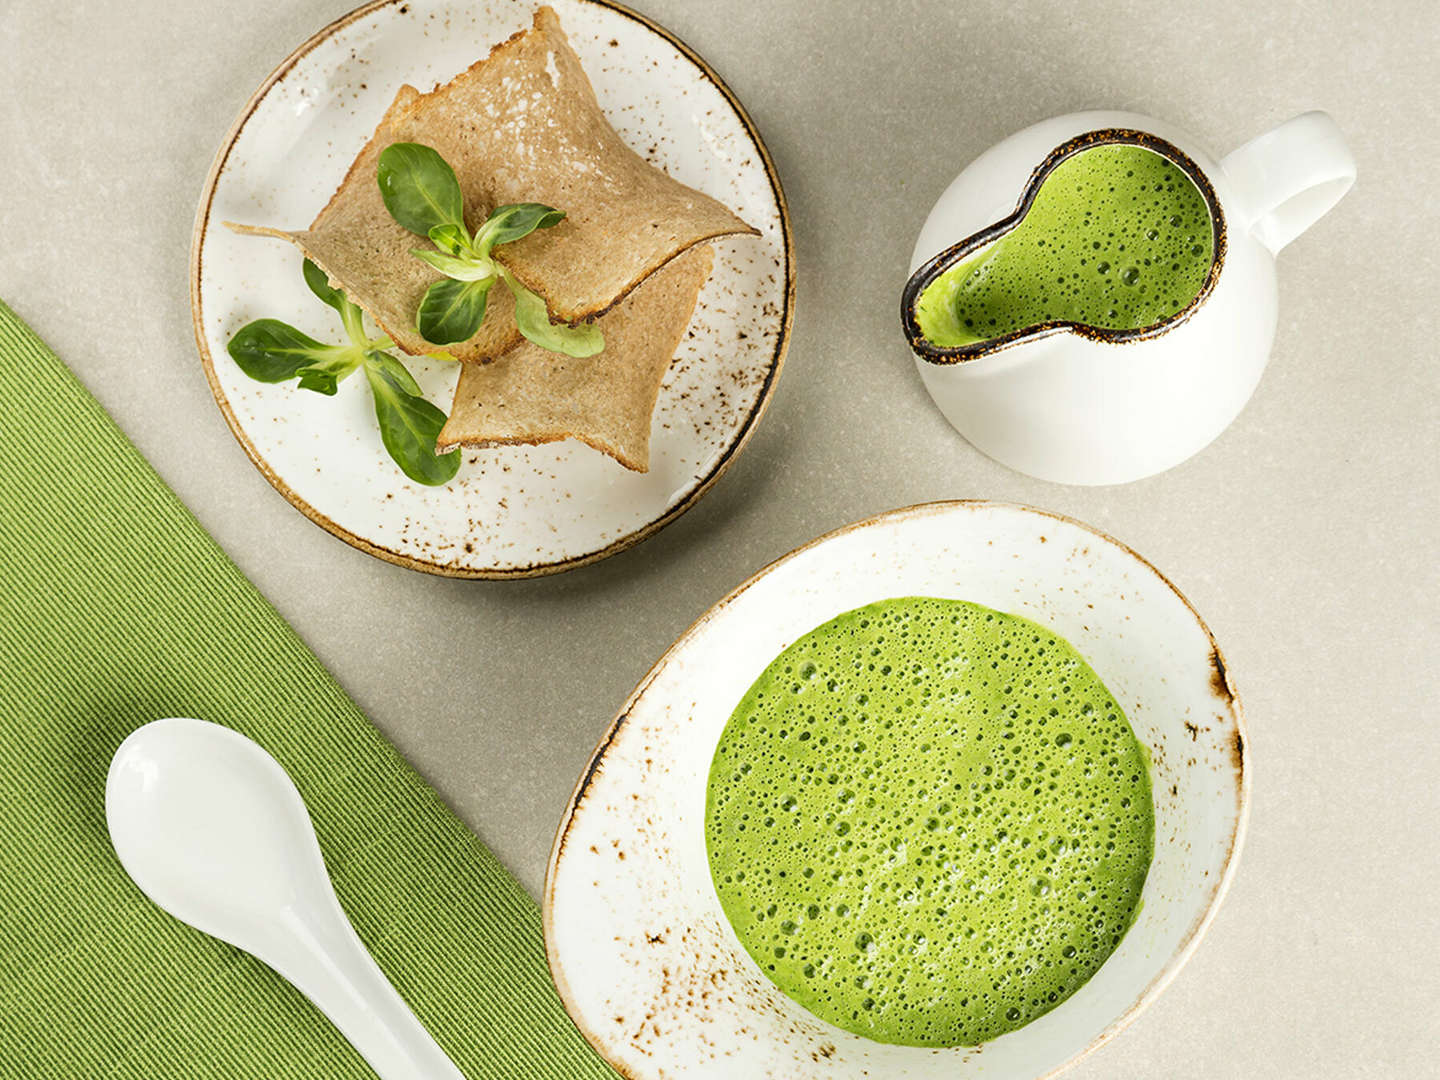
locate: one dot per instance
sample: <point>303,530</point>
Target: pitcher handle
<point>1288,178</point>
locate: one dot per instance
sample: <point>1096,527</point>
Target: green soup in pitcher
<point>1117,238</point>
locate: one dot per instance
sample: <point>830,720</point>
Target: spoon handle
<point>331,966</point>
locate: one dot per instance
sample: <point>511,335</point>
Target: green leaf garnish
<point>451,310</point>
<point>319,283</point>
<point>419,188</point>
<point>451,239</point>
<point>350,313</point>
<point>319,381</point>
<point>272,351</point>
<point>326,373</point>
<point>409,426</point>
<point>398,371</point>
<point>514,221</point>
<point>422,194</point>
<point>457,267</point>
<point>533,319</point>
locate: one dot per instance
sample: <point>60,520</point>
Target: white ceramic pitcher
<point>1073,404</point>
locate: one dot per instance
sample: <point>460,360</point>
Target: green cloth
<point>116,608</point>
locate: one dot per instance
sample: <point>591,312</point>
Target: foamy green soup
<point>1117,238</point>
<point>929,822</point>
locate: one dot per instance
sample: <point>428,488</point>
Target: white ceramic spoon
<point>213,830</point>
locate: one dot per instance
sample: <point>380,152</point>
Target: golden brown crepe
<point>522,125</point>
<point>530,395</point>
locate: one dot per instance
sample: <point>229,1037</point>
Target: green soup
<point>1118,238</point>
<point>929,822</point>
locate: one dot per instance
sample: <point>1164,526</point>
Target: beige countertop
<point>1306,535</point>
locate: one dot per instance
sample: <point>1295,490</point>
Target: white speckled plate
<point>642,954</point>
<point>511,511</point>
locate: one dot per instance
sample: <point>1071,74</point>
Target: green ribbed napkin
<point>116,608</point>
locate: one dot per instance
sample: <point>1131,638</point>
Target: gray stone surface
<point>1306,535</point>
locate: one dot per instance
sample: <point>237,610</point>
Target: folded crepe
<point>530,395</point>
<point>522,125</point>
<point>362,251</point>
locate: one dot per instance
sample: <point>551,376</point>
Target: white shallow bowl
<point>639,948</point>
<point>513,511</point>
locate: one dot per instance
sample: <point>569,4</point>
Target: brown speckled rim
<point>956,253</point>
<point>746,427</point>
<point>1227,699</point>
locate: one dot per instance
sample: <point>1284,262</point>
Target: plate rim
<point>536,569</point>
<point>1221,677</point>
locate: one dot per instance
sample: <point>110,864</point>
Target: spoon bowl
<point>213,830</point>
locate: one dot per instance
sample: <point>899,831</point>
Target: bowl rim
<point>1221,683</point>
<point>745,429</point>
